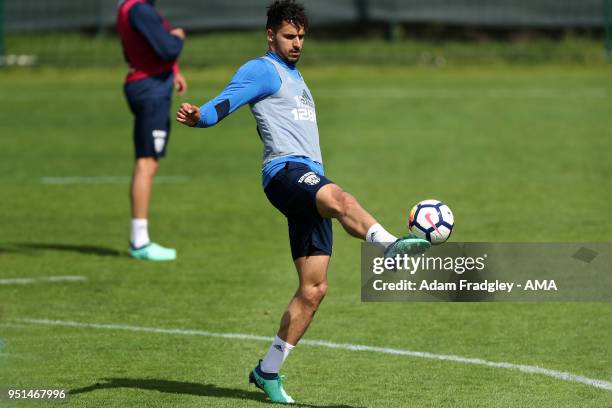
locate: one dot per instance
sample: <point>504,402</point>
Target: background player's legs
<point>142,184</point>
<point>141,246</point>
<point>140,196</point>
<point>312,273</point>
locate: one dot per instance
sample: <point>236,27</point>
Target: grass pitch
<point>519,154</point>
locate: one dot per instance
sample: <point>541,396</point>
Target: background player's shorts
<point>293,191</point>
<point>149,101</point>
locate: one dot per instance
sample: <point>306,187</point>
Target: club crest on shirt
<point>310,178</point>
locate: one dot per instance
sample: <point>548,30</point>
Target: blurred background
<point>436,32</point>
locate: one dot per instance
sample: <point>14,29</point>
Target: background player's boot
<point>271,384</point>
<point>408,245</point>
<point>153,252</point>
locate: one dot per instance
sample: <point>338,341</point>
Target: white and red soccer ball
<point>431,220</point>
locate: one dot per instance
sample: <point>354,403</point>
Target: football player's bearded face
<point>287,41</point>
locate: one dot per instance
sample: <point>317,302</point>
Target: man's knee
<point>343,205</point>
<point>335,203</point>
<point>146,166</point>
<point>314,294</point>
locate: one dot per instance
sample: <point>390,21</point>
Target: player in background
<point>151,48</point>
<point>293,177</point>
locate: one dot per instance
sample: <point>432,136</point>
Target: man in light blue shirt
<point>293,177</point>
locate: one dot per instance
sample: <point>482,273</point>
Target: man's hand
<point>180,84</point>
<point>179,32</point>
<point>188,114</point>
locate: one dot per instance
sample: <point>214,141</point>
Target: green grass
<point>519,154</point>
<point>222,49</point>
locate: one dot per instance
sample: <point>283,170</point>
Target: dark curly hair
<point>286,10</point>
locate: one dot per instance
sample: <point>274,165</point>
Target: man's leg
<point>312,273</point>
<point>145,169</point>
<point>333,202</point>
<point>141,246</point>
<point>142,183</point>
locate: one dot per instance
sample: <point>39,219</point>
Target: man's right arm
<point>146,21</point>
<point>255,80</point>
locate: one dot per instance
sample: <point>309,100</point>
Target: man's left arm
<point>255,80</point>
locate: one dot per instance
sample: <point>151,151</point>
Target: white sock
<point>378,235</point>
<point>140,232</point>
<point>276,356</point>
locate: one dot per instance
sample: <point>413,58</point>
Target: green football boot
<point>271,384</point>
<point>409,245</point>
<point>153,252</point>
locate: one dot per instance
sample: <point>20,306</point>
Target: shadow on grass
<point>187,388</point>
<point>26,247</point>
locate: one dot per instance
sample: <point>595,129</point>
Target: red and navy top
<point>148,46</point>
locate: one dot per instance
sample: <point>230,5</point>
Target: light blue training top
<point>282,106</point>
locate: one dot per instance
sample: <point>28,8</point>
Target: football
<point>431,220</point>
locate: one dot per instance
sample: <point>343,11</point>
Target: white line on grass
<point>28,281</point>
<point>107,180</point>
<point>565,376</point>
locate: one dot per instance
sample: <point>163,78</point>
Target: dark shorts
<point>149,100</point>
<point>293,191</point>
